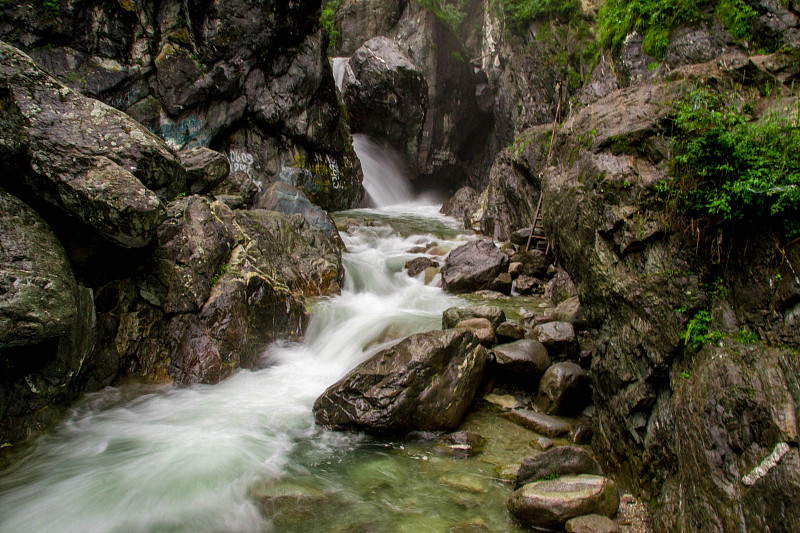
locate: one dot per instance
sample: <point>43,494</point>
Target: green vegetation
<point>451,14</point>
<point>519,13</point>
<point>655,20</point>
<point>52,7</point>
<point>221,271</point>
<point>729,168</point>
<point>327,18</point>
<point>696,334</point>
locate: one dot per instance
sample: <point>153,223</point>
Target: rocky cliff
<point>176,240</point>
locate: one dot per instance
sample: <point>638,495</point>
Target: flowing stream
<point>245,455</point>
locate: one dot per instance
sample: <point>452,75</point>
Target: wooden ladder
<point>540,241</point>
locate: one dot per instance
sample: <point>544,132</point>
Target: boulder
<point>591,523</point>
<point>549,504</point>
<point>543,424</point>
<point>534,263</point>
<point>560,461</point>
<point>528,284</point>
<point>560,288</point>
<point>510,331</point>
<point>501,283</point>
<point>558,337</point>
<point>288,200</point>
<point>524,361</point>
<point>563,390</point>
<point>482,329</point>
<point>454,315</point>
<point>386,95</point>
<point>205,168</point>
<point>461,204</point>
<point>419,264</point>
<point>472,266</point>
<point>425,382</point>
<point>36,282</point>
<point>92,162</point>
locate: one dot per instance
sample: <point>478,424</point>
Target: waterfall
<point>339,66</point>
<point>385,177</point>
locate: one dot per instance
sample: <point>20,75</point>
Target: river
<point>245,455</point>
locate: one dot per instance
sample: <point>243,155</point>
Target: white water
<point>385,178</point>
<point>339,66</point>
<point>187,459</point>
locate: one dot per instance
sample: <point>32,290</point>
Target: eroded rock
<point>472,266</point>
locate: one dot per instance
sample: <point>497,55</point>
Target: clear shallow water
<point>245,455</point>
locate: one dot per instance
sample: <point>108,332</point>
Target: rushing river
<point>245,455</point>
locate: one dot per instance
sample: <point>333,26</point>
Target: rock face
<point>472,266</point>
<point>563,390</point>
<point>386,96</point>
<point>251,79</point>
<point>549,504</point>
<point>426,382</point>
<point>561,461</point>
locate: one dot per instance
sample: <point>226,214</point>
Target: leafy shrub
<point>327,18</point>
<point>450,13</point>
<point>519,13</point>
<point>727,167</point>
<point>696,334</point>
<point>655,20</point>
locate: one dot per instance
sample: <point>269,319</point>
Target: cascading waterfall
<point>385,178</point>
<point>339,66</point>
<point>156,458</point>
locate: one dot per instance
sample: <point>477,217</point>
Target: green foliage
<point>746,336</point>
<point>450,13</point>
<point>221,271</point>
<point>696,334</point>
<point>327,18</point>
<point>519,13</point>
<point>655,20</point>
<point>52,7</point>
<point>728,168</point>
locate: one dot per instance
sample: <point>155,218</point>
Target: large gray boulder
<point>94,163</point>
<point>386,95</point>
<point>425,382</point>
<point>549,504</point>
<point>560,461</point>
<point>473,266</point>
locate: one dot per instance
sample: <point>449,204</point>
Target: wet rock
<point>386,95</point>
<point>482,329</point>
<point>563,390</point>
<point>463,482</point>
<point>503,401</point>
<point>288,200</point>
<point>507,473</point>
<point>501,283</point>
<point>426,382</point>
<point>542,443</point>
<point>473,266</point>
<point>205,168</point>
<point>461,204</point>
<point>583,434</point>
<point>509,331</point>
<point>461,444</point>
<point>515,268</point>
<point>558,337</point>
<point>508,202</point>
<point>549,504</point>
<point>534,263</point>
<point>560,288</point>
<point>523,361</point>
<point>543,424</point>
<point>454,315</point>
<point>357,21</point>
<point>419,264</point>
<point>560,461</point>
<point>36,282</point>
<point>593,523</point>
<point>527,285</point>
<point>90,161</point>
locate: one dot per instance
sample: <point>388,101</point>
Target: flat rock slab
<point>549,504</point>
<point>561,461</point>
<point>592,523</point>
<point>543,424</point>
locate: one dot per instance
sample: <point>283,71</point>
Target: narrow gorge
<point>400,266</point>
